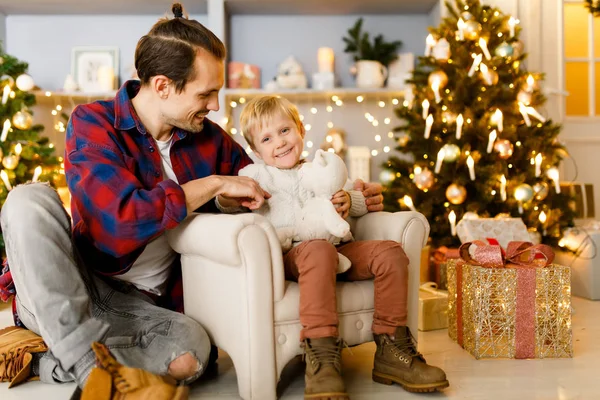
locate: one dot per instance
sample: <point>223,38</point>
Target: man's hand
<point>372,193</point>
<point>243,191</point>
<point>341,201</point>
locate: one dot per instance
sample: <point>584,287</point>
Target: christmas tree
<point>26,156</point>
<point>473,139</point>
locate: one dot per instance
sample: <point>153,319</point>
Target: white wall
<point>45,41</point>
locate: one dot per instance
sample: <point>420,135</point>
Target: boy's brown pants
<point>313,265</point>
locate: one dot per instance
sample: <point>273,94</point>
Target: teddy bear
<point>300,206</point>
<point>290,75</point>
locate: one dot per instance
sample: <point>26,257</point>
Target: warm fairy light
<point>374,153</point>
<point>309,144</point>
<point>359,99</point>
<point>542,217</point>
<point>313,110</point>
<point>233,104</point>
<point>407,201</point>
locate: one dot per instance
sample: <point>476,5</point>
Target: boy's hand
<point>372,193</point>
<point>341,201</point>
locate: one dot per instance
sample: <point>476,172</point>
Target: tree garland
<point>594,7</point>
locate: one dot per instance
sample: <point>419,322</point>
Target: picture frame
<point>95,68</point>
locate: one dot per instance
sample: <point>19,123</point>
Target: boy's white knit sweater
<point>288,196</point>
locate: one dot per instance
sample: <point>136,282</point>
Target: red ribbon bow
<point>523,254</point>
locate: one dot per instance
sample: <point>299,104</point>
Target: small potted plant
<point>372,58</point>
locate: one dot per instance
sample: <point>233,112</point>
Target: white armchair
<point>234,285</point>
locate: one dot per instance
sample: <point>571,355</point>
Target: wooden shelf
<point>43,96</point>
<point>309,94</point>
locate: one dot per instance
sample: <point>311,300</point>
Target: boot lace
<point>404,347</point>
<point>325,354</point>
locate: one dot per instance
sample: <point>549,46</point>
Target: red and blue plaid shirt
<point>114,172</point>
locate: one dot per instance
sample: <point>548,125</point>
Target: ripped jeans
<point>70,308</point>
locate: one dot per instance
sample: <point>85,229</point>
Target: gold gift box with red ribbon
<point>510,304</point>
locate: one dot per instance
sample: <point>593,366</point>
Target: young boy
<point>272,127</point>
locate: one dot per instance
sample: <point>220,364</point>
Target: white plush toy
<point>300,207</point>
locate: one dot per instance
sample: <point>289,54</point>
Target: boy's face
<point>279,142</point>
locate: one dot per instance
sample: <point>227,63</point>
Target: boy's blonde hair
<point>260,110</point>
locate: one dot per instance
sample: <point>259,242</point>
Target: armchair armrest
<point>411,230</point>
<point>228,239</point>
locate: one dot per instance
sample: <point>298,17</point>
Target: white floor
<point>561,379</point>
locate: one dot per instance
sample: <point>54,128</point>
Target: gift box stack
<point>505,298</point>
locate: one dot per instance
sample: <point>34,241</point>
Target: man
<point>136,166</point>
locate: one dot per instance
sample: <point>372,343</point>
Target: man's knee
<point>184,367</point>
<point>23,201</point>
<point>195,345</point>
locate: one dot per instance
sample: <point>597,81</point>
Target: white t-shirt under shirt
<point>151,270</point>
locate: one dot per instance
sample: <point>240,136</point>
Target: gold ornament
<point>456,194</point>
<point>541,190</point>
<point>467,16</point>
<point>22,120</point>
<point>424,179</point>
<point>523,193</point>
<point>451,152</point>
<point>402,139</point>
<point>472,30</point>
<point>490,77</point>
<point>438,77</point>
<point>524,97</point>
<point>7,80</point>
<point>504,148</point>
<point>10,161</point>
<point>518,48</point>
<point>25,82</point>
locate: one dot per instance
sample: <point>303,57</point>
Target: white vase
<point>370,74</point>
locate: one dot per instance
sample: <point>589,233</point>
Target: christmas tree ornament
<point>429,44</point>
<point>451,152</point>
<point>484,48</point>
<point>524,97</point>
<point>448,117</point>
<point>7,80</point>
<point>460,33</point>
<point>476,62</point>
<point>470,215</point>
<point>22,120</point>
<point>456,194</point>
<point>441,50</point>
<point>25,82</point>
<point>386,176</point>
<point>472,30</point>
<point>523,193</point>
<point>490,77</point>
<point>512,22</point>
<point>540,190</point>
<point>497,120</point>
<point>439,77</point>
<point>459,124</point>
<point>504,50</point>
<point>423,179</point>
<point>467,16</point>
<point>518,48</point>
<point>402,139</point>
<point>439,161</point>
<point>10,161</point>
<point>471,166</point>
<point>428,125</point>
<point>504,148</point>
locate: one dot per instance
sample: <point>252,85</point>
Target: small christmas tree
<point>473,139</point>
<point>25,155</point>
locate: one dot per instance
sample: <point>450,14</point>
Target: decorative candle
<point>4,177</point>
<point>326,59</point>
<point>5,94</point>
<point>429,43</point>
<point>523,110</point>
<point>492,139</point>
<point>425,105</point>
<point>503,188</point>
<point>18,149</point>
<point>538,165</point>
<point>542,219</point>
<point>106,78</point>
<point>36,174</point>
<point>452,219</point>
<point>471,165</point>
<point>530,83</point>
<point>484,48</point>
<point>408,202</point>
<point>553,174</point>
<point>461,29</point>
<point>511,25</point>
<point>428,125</point>
<point>533,112</point>
<point>476,61</point>
<point>5,130</point>
<point>459,124</point>
<point>498,120</point>
<point>440,159</point>
<point>435,86</point>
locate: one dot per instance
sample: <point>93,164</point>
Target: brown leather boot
<point>397,360</point>
<point>113,381</point>
<point>323,377</point>
<point>16,346</point>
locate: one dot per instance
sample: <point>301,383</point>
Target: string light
<point>377,138</point>
<point>233,104</point>
<point>330,124</point>
<point>381,104</point>
<point>242,100</point>
<point>387,121</point>
<point>313,110</point>
<point>329,109</point>
<point>395,102</point>
<point>359,99</point>
<point>309,144</point>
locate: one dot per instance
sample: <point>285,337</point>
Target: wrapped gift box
<point>584,259</point>
<point>504,230</point>
<point>433,307</point>
<point>438,265</point>
<point>510,311</point>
